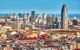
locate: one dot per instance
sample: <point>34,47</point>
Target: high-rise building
<point>74,21</point>
<point>32,17</point>
<point>27,17</point>
<point>13,17</point>
<point>54,21</point>
<point>50,21</point>
<point>59,22</point>
<point>20,15</point>
<point>24,18</point>
<point>27,14</point>
<point>43,15</point>
<point>64,17</point>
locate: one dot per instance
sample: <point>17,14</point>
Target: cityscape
<point>40,31</point>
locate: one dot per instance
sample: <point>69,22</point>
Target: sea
<point>69,15</point>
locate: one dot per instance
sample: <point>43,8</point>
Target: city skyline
<point>50,6</point>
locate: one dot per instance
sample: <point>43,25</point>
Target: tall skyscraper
<point>24,18</point>
<point>64,17</point>
<point>20,15</point>
<point>32,18</point>
<point>27,14</point>
<point>13,17</point>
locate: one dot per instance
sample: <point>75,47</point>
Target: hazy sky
<point>39,5</point>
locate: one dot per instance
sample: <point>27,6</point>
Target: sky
<point>51,6</point>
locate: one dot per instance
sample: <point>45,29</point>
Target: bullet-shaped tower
<point>64,17</point>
